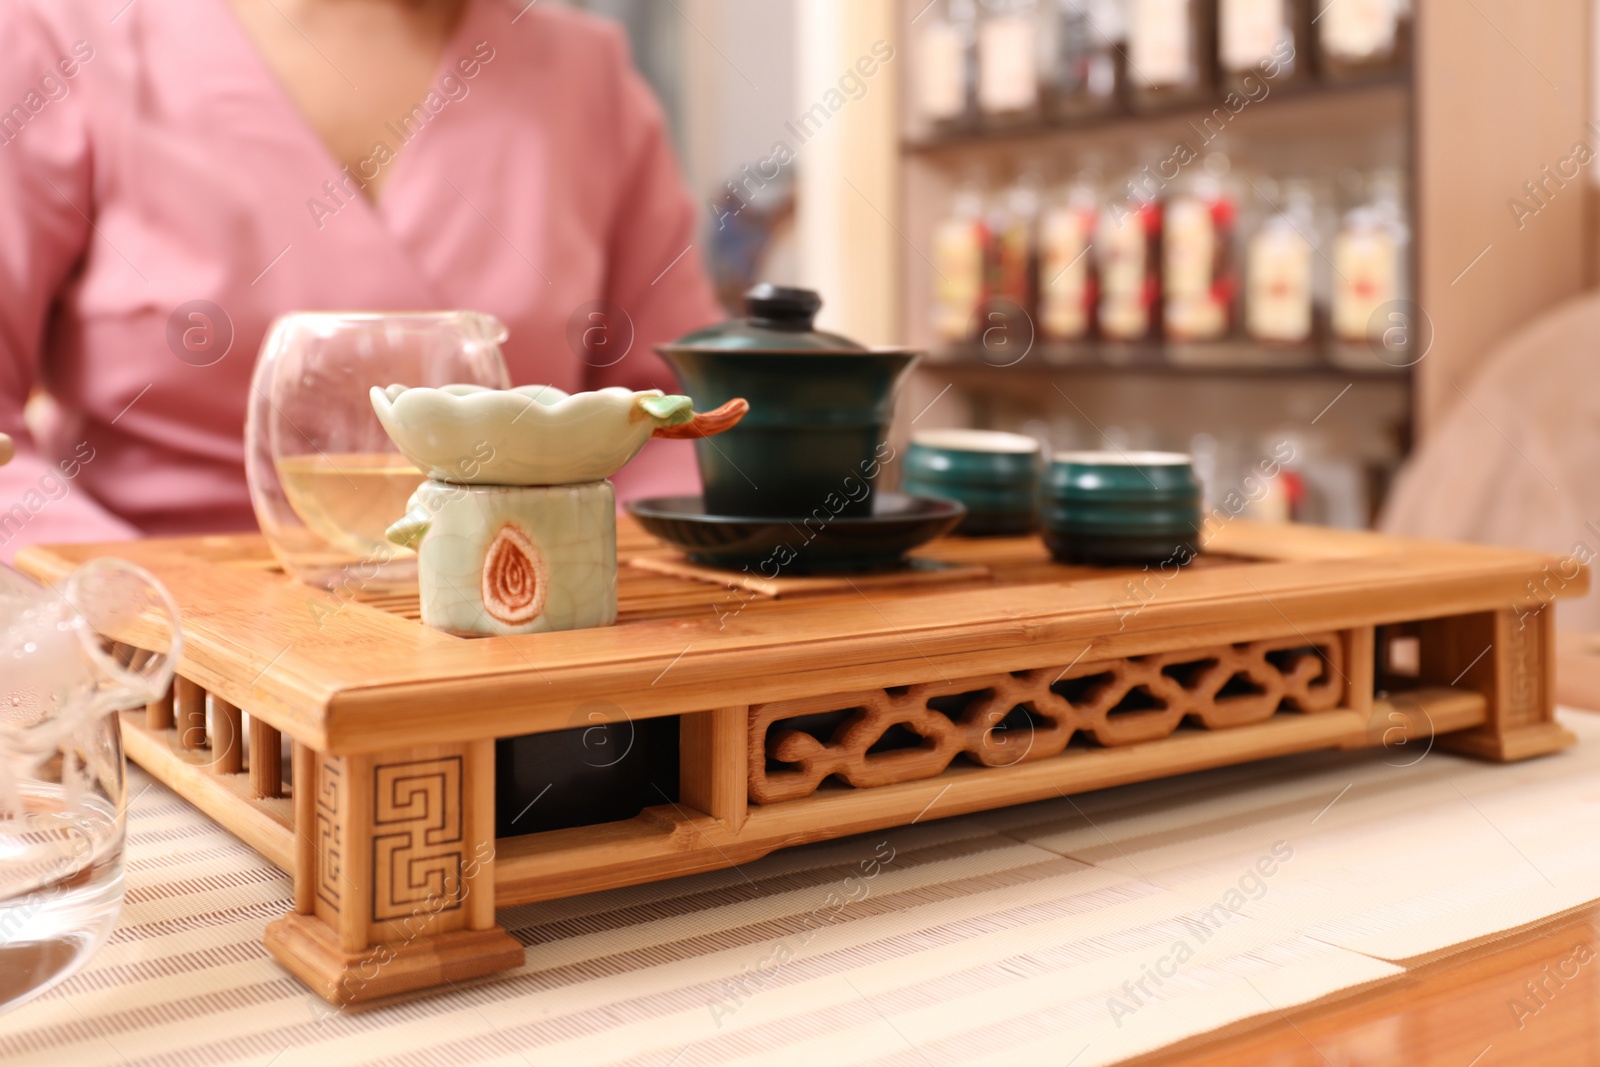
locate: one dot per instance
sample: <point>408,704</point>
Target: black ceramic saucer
<point>804,545</point>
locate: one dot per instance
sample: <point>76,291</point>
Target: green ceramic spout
<point>409,531</point>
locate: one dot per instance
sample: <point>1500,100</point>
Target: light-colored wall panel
<point>850,243</point>
<point>737,84</point>
<point>1502,91</point>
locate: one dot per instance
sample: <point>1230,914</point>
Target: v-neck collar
<point>374,208</point>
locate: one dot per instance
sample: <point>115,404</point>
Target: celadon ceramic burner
<point>515,528</point>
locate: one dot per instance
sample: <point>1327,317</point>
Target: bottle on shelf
<point>960,258</point>
<point>1327,488</point>
<point>1171,52</point>
<point>1013,226</point>
<point>1084,71</point>
<point>1364,38</point>
<point>946,65</point>
<point>1284,301</point>
<point>1128,243</point>
<point>1009,46</point>
<point>1371,270</point>
<point>1068,275</point>
<point>1202,449</point>
<point>1269,39</point>
<point>1198,279</point>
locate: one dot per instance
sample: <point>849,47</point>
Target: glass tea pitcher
<point>325,480</point>
<point>105,638</point>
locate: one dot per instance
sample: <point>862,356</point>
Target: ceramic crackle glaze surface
<point>515,528</point>
<point>513,559</point>
<point>534,434</point>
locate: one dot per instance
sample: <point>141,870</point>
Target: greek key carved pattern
<point>1523,659</point>
<point>1117,702</point>
<point>416,864</point>
<point>330,834</point>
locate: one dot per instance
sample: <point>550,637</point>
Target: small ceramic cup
<point>996,475</point>
<point>1121,507</point>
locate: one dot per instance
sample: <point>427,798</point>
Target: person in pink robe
<point>151,164</point>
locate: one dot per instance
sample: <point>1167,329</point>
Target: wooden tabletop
<point>1468,1009</point>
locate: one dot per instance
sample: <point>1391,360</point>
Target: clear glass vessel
<point>1171,52</point>
<point>1264,42</point>
<point>1128,250</point>
<point>960,255</point>
<point>1370,262</point>
<point>1085,65</point>
<point>1013,250</point>
<point>1286,269</point>
<point>1198,274</point>
<point>1009,54</point>
<point>325,480</point>
<point>1359,39</point>
<point>70,657</point>
<point>1068,269</point>
<point>945,78</point>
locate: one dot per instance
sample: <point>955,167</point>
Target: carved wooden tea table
<point>808,711</point>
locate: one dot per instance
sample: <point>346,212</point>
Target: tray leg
<point>712,749</point>
<point>394,877</point>
<point>1511,661</point>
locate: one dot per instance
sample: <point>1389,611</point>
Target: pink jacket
<point>149,159</point>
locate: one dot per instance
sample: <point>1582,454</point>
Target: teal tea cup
<point>996,475</point>
<point>1121,507</point>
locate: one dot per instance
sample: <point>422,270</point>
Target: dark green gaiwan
<point>1121,507</point>
<point>817,432</point>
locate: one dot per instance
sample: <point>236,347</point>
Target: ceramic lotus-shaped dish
<point>535,434</point>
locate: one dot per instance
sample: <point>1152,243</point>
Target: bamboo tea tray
<point>799,717</point>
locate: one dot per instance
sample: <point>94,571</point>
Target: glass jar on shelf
<point>1068,271</point>
<point>1009,46</point>
<point>1364,38</point>
<point>1285,272</point>
<point>1198,278</point>
<point>960,257</point>
<point>1013,257</point>
<point>1373,319</point>
<point>1084,71</point>
<point>1264,41</point>
<point>1128,244</point>
<point>945,74</point>
<point>1171,52</point>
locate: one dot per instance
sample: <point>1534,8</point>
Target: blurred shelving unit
<point>1469,119</point>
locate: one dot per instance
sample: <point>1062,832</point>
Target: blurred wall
<point>850,244</point>
<point>1503,92</point>
<point>655,32</point>
<point>738,84</point>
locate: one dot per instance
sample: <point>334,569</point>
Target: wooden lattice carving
<point>1003,719</point>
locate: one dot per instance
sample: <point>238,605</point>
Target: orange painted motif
<point>513,578</point>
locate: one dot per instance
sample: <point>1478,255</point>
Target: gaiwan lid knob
<point>782,308</point>
<point>777,319</point>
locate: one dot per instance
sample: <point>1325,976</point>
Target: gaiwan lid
<point>776,319</point>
